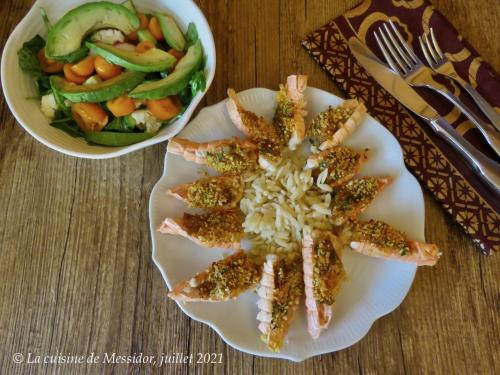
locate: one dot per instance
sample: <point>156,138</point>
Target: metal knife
<point>407,96</point>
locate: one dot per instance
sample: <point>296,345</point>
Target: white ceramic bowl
<point>17,85</point>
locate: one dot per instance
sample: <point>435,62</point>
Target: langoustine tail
<point>172,226</point>
<point>187,149</point>
<point>423,254</point>
<point>426,254</point>
<point>179,192</point>
<point>185,292</point>
<point>296,86</point>
<point>234,109</point>
<point>265,293</point>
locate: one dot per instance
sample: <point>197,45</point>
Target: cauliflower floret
<point>108,36</point>
<point>152,127</point>
<point>144,120</point>
<point>49,106</point>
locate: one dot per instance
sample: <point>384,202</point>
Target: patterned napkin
<point>437,165</point>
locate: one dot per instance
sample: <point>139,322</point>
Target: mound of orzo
<point>280,204</point>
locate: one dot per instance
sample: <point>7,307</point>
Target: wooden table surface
<point>76,274</point>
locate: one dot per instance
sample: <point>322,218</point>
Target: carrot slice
<point>144,46</point>
<point>84,67</point>
<point>164,109</point>
<point>89,116</point>
<point>177,54</point>
<point>49,66</point>
<point>132,37</point>
<point>144,21</point>
<point>105,69</point>
<point>121,106</point>
<point>72,76</point>
<point>155,29</point>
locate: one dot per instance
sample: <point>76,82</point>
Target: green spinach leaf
<point>43,85</point>
<point>27,56</point>
<point>29,63</point>
<point>185,95</point>
<point>60,101</point>
<point>191,34</point>
<point>124,124</point>
<point>68,125</point>
<point>198,82</point>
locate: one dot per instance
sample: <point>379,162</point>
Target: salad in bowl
<point>113,74</point>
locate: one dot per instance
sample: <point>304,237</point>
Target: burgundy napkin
<point>474,205</point>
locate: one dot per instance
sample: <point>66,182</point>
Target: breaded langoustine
<point>378,239</point>
<point>324,275</point>
<point>222,228</point>
<point>223,280</point>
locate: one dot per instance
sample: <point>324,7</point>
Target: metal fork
<point>438,61</point>
<point>406,63</point>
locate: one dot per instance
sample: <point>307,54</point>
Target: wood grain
<point>76,274</point>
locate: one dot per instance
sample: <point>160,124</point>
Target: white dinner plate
<point>375,287</point>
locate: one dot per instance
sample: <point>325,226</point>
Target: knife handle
<point>487,109</point>
<point>489,133</point>
<point>486,168</point>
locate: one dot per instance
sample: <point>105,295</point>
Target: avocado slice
<point>145,35</point>
<point>115,139</point>
<point>129,4</point>
<point>74,56</point>
<point>153,60</point>
<point>173,35</point>
<point>173,83</point>
<point>99,92</point>
<point>67,34</point>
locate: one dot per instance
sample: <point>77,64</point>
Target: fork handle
<point>481,102</point>
<point>490,135</point>
<point>486,168</point>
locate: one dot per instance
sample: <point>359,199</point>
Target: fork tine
<point>427,55</point>
<point>430,48</point>
<point>403,43</point>
<point>405,69</point>
<point>436,45</point>
<point>396,44</point>
<point>387,55</point>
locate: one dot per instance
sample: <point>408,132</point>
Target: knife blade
<point>407,96</point>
